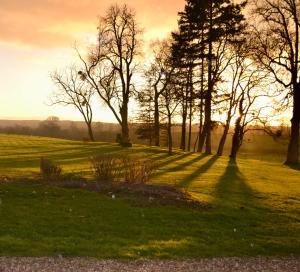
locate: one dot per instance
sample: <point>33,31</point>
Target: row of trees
<point>216,63</point>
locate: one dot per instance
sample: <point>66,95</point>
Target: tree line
<point>219,63</point>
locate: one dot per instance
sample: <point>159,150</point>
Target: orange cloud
<point>56,23</point>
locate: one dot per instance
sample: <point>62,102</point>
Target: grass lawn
<point>256,207</point>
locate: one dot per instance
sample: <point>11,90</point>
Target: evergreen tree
<point>203,25</point>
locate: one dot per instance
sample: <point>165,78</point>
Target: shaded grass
<point>186,182</point>
<point>256,207</point>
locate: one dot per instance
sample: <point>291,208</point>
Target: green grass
<point>256,206</point>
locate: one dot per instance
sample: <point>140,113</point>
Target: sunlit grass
<point>256,206</point>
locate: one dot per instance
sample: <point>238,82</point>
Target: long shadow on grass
<point>173,158</point>
<point>180,166</point>
<point>232,186</point>
<point>187,181</point>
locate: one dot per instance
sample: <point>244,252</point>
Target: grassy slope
<point>256,207</point>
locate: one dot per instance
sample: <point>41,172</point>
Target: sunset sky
<point>37,36</point>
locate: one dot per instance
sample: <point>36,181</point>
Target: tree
<point>158,77</point>
<point>251,85</point>
<point>111,63</point>
<point>50,128</point>
<point>237,72</point>
<point>206,23</point>
<point>277,50</point>
<point>145,117</point>
<point>183,56</point>
<point>184,94</point>
<point>72,91</point>
<point>170,103</point>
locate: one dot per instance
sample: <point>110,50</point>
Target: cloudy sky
<point>37,36</point>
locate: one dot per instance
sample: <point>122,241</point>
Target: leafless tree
<point>72,91</point>
<point>215,76</point>
<point>277,50</point>
<point>112,63</point>
<point>170,103</point>
<point>158,77</point>
<point>247,101</point>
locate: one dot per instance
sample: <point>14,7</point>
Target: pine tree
<point>203,25</point>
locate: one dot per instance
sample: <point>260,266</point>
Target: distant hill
<point>62,123</point>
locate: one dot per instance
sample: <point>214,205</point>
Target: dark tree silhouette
<point>205,24</point>
<point>111,63</point>
<point>170,104</point>
<point>277,50</point>
<point>251,85</point>
<point>72,91</point>
<point>145,117</point>
<point>158,78</point>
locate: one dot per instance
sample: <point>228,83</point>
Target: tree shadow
<point>180,166</point>
<point>294,166</point>
<point>201,170</point>
<point>232,186</point>
<point>173,158</point>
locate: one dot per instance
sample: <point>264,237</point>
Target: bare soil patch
<point>149,193</point>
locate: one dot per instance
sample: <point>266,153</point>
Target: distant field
<point>256,206</point>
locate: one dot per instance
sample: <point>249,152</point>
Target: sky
<point>37,37</point>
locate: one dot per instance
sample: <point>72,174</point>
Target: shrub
<point>110,168</point>
<point>137,170</point>
<point>105,167</point>
<point>49,170</point>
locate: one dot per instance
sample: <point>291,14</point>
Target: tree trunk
<point>183,128</point>
<point>293,149</point>
<point>201,140</point>
<point>201,135</point>
<point>223,138</point>
<point>190,126</point>
<point>236,139</point>
<point>125,140</point>
<point>156,121</point>
<point>90,131</point>
<point>207,124</point>
<point>170,139</point>
<point>208,98</point>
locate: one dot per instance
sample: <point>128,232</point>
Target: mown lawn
<point>256,206</point>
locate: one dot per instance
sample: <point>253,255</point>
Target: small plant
<point>106,168</point>
<point>111,168</point>
<point>49,170</point>
<point>137,170</point>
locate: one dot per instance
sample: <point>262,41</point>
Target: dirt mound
<point>167,195</point>
<point>146,193</point>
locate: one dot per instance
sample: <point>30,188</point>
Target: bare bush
<point>137,170</point>
<point>111,168</point>
<point>106,167</point>
<point>49,170</point>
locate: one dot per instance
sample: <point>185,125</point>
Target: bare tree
<point>251,87</point>
<point>237,70</point>
<point>170,103</point>
<point>72,91</point>
<point>277,50</point>
<point>111,63</point>
<point>158,77</point>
